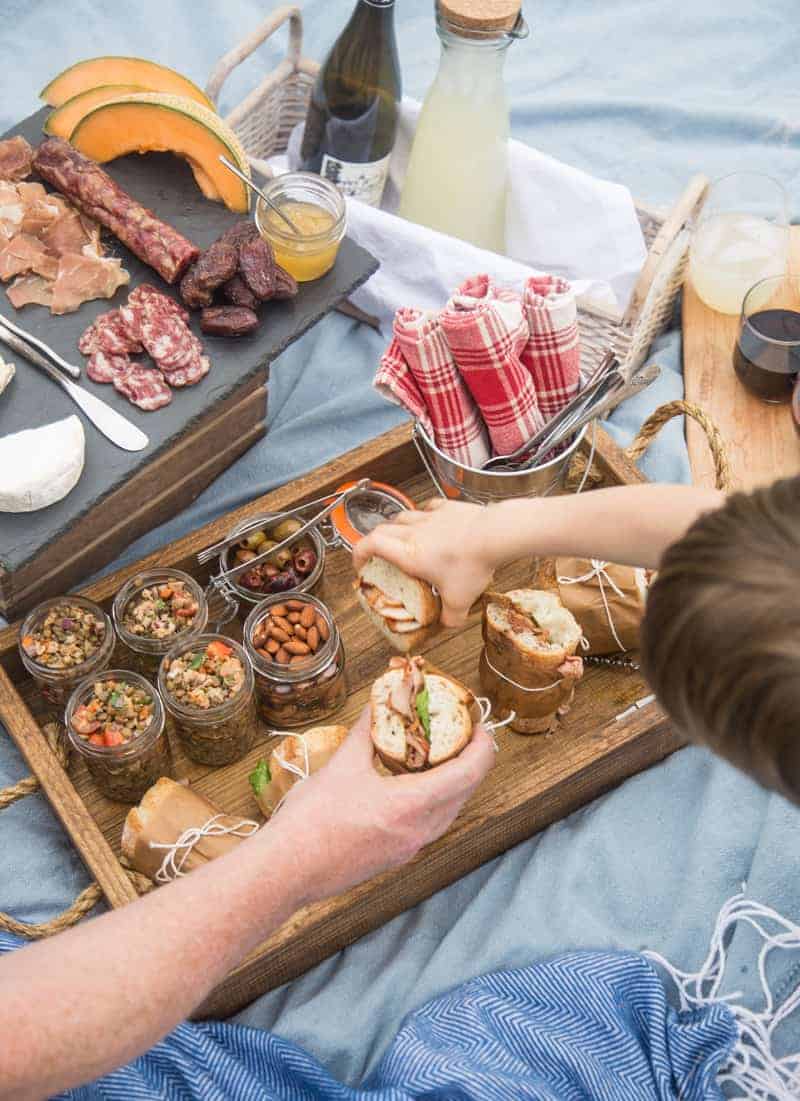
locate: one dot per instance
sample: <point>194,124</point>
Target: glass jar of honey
<point>316,207</point>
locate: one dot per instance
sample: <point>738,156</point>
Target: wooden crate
<point>536,781</point>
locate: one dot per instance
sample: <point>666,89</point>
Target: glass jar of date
<point>154,610</point>
<point>298,658</point>
<point>208,690</point>
<point>115,722</point>
<point>63,640</point>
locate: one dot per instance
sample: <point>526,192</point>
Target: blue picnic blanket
<point>643,93</point>
<point>578,1027</point>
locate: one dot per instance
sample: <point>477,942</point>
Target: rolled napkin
<point>486,333</point>
<point>417,370</point>
<point>552,353</point>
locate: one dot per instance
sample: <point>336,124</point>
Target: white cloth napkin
<point>560,220</point>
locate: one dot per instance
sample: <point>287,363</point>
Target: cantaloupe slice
<point>61,122</point>
<point>95,71</point>
<point>148,122</point>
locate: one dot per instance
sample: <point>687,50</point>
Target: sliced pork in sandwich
<point>403,608</point>
<point>420,717</point>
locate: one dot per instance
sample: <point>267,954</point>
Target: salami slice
<point>144,386</point>
<point>88,342</point>
<point>146,295</point>
<point>182,354</point>
<point>113,335</point>
<point>188,376</point>
<point>105,368</point>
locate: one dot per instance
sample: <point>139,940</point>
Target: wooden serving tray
<point>761,440</point>
<point>536,781</point>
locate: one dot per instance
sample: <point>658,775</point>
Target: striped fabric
<point>583,1026</point>
<point>552,354</point>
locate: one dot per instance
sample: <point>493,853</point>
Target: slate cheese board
<point>43,552</point>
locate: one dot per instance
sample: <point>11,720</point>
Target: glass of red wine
<point>767,353</point>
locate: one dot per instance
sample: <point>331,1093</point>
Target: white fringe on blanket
<point>754,1069</point>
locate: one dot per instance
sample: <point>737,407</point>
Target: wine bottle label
<point>360,181</point>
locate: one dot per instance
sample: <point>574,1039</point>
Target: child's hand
<point>448,544</point>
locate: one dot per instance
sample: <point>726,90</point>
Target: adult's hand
<point>347,822</point>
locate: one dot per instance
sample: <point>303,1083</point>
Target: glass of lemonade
<point>741,237</point>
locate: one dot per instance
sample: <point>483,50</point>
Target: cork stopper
<point>481,16</point>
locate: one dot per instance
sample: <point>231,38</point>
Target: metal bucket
<point>459,482</point>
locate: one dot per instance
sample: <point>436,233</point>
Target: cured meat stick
<point>85,184</point>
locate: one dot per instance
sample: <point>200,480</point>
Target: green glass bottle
<point>352,116</point>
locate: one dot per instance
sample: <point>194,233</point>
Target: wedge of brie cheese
<point>40,465</point>
<point>7,372</point>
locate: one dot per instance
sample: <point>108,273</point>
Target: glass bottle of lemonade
<point>457,176</point>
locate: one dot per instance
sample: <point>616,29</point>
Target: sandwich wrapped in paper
<point>175,829</point>
<point>295,758</point>
<point>607,600</point>
<point>529,666</point>
<point>420,716</point>
<point>404,609</point>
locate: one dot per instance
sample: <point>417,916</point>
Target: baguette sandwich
<point>529,665</point>
<point>404,609</point>
<point>420,717</point>
<point>165,812</point>
<point>293,757</point>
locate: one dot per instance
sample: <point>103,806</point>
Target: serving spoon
<point>254,187</point>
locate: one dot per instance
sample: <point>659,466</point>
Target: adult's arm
<point>91,999</point>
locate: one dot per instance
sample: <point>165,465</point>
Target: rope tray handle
<point>647,433</point>
<point>89,896</point>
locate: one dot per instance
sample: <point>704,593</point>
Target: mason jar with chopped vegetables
<point>115,722</point>
<point>207,687</point>
<point>63,640</point>
<point>154,610</point>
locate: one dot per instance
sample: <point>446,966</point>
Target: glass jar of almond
<point>298,658</point>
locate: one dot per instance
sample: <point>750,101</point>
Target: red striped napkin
<point>491,361</point>
<point>418,372</point>
<point>487,333</point>
<point>552,354</point>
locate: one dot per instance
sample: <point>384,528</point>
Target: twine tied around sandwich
<point>301,773</point>
<point>599,571</point>
<point>485,705</point>
<point>510,680</point>
<point>177,852</point>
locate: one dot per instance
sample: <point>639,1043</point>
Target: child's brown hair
<point>721,634</point>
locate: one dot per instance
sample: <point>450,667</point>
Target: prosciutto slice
<point>82,277</point>
<point>30,290</point>
<point>23,254</point>
<point>16,159</point>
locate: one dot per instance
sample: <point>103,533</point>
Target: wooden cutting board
<point>761,440</point>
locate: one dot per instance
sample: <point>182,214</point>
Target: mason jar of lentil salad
<point>63,640</point>
<point>115,722</point>
<point>154,610</point>
<point>207,687</point>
